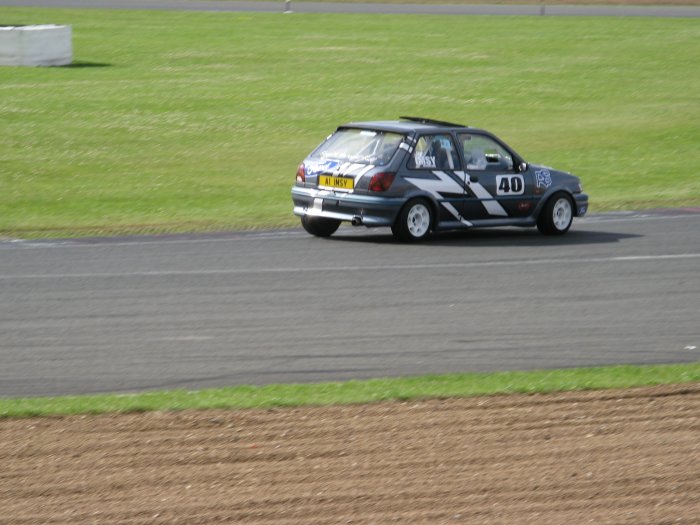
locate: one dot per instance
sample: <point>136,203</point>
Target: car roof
<point>407,125</point>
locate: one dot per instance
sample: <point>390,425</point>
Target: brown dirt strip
<point>630,456</point>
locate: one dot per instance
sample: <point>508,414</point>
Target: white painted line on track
<point>317,269</point>
<point>107,242</point>
<point>655,257</point>
<point>632,217</point>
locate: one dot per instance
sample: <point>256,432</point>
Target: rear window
<point>359,146</point>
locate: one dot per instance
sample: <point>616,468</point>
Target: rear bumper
<point>367,210</point>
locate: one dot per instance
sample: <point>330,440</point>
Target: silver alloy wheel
<point>418,220</point>
<point>562,214</point>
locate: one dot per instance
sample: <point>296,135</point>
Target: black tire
<point>320,226</point>
<point>415,221</point>
<point>556,215</point>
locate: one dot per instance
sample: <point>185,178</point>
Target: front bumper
<point>581,204</point>
<point>368,210</point>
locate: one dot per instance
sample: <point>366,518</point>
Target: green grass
<point>182,121</point>
<point>369,391</point>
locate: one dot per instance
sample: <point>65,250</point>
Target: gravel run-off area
<point>616,456</point>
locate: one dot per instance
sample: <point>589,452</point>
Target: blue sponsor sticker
<point>543,179</point>
<point>325,166</point>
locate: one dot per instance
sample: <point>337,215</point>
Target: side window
<point>483,153</point>
<point>434,152</point>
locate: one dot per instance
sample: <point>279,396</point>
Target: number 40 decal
<point>510,185</point>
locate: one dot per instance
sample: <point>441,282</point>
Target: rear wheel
<point>320,226</point>
<point>414,221</point>
<point>557,215</point>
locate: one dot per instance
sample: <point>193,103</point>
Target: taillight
<point>301,173</point>
<point>381,181</point>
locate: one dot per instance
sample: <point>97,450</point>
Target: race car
<point>418,176</point>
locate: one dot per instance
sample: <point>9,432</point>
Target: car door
<point>434,167</point>
<point>495,188</point>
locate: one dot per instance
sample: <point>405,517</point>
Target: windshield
<point>359,146</point>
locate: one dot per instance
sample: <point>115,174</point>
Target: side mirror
<point>522,167</point>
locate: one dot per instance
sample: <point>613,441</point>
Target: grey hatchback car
<point>418,175</point>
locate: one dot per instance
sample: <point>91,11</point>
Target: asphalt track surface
<point>535,9</point>
<point>122,315</point>
<point>140,313</point>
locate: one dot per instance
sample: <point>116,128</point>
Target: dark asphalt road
<point>118,315</point>
<point>324,7</point>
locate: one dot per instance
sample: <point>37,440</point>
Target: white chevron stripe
<point>444,183</point>
<point>493,207</point>
<point>362,172</point>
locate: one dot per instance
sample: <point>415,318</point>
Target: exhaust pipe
<point>356,220</point>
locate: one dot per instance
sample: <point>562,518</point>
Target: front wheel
<point>557,215</point>
<point>414,221</point>
<point>320,226</point>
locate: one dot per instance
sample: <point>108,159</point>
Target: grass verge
<point>193,121</point>
<point>368,391</point>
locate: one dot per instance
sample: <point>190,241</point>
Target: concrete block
<point>39,45</point>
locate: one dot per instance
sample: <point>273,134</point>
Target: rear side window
<point>434,152</point>
<point>359,146</point>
